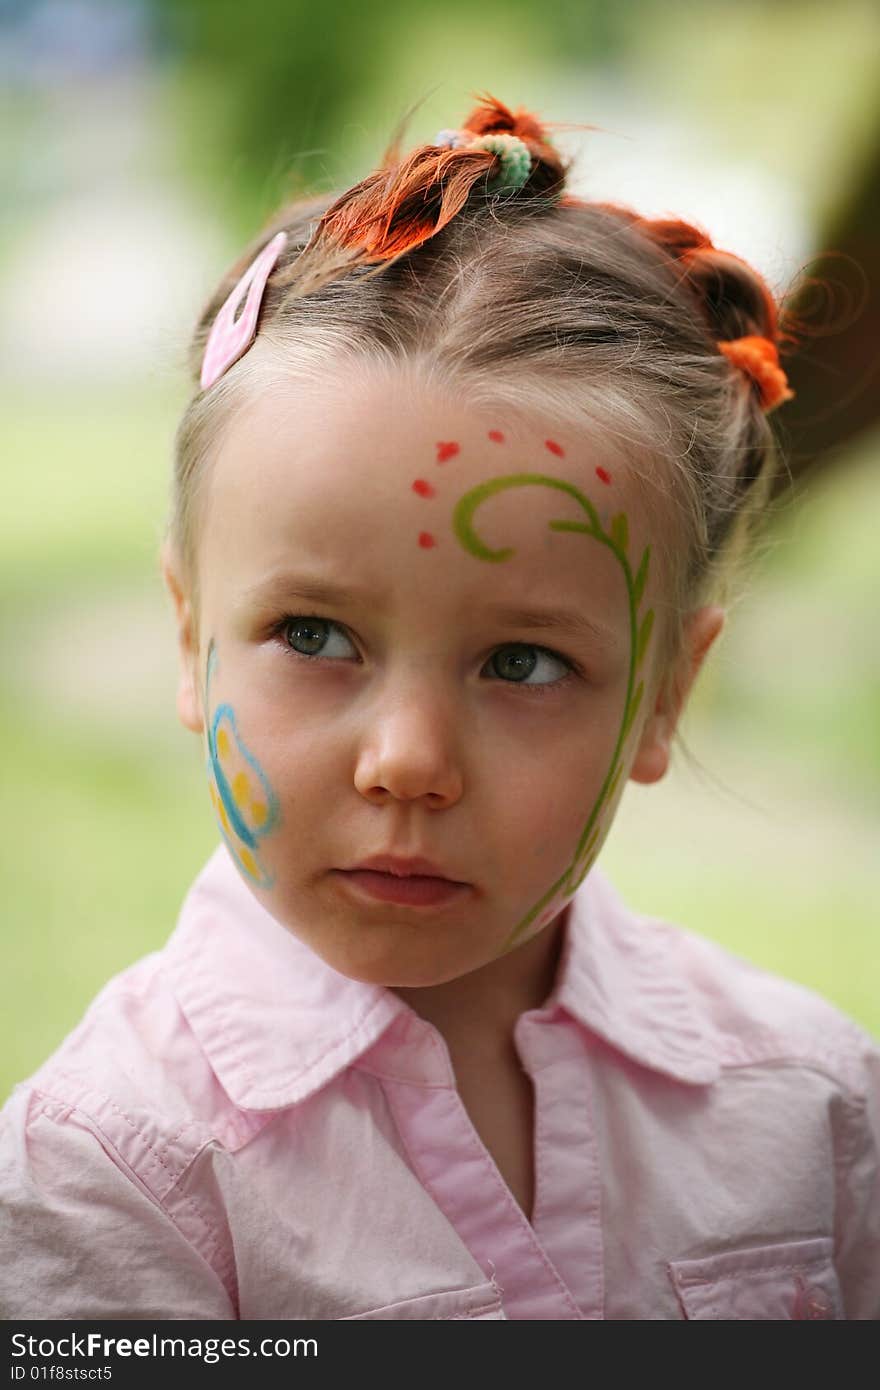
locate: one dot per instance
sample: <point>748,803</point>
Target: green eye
<point>310,636</point>
<point>311,633</point>
<point>517,661</point>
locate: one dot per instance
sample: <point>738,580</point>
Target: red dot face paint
<point>496,436</point>
<point>426,540</point>
<point>554,448</point>
<point>603,475</point>
<point>446,450</point>
<point>423,488</point>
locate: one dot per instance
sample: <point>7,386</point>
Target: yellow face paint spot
<point>249,862</point>
<point>213,794</point>
<point>222,743</point>
<point>241,788</point>
<point>223,816</point>
<point>259,812</point>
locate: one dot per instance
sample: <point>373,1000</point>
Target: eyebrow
<point>559,619</point>
<point>280,587</point>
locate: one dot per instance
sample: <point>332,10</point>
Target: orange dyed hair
<point>410,198</point>
<point>759,359</point>
<point>720,279</point>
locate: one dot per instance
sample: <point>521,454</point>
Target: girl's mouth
<point>412,890</point>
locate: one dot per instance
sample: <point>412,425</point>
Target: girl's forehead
<point>397,483</point>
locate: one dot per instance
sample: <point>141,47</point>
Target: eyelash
<point>279,630</point>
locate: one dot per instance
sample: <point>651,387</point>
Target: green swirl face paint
<point>616,539</point>
<point>245,805</point>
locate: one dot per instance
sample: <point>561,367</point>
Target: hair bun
<point>492,117</point>
<point>737,304</point>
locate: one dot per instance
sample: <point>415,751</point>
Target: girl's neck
<point>486,1003</point>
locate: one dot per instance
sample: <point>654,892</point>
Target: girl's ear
<point>189,703</point>
<point>652,755</point>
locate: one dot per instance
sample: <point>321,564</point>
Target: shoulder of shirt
<point>132,1075</point>
<point>208,1038</point>
<point>744,1015</point>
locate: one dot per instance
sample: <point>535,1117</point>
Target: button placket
<point>567,1215</point>
<point>462,1178</point>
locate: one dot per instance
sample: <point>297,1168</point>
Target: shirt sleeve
<point>858,1192</point>
<point>80,1238</point>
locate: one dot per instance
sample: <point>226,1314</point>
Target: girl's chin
<point>390,974</point>
<point>393,968</point>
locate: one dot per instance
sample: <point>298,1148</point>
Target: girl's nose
<point>409,751</point>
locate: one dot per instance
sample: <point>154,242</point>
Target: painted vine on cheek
<point>246,807</point>
<point>615,539</point>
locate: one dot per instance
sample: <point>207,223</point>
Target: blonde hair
<point>526,298</point>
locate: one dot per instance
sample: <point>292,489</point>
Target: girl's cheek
<point>571,821</point>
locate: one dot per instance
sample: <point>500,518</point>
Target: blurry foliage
<point>287,74</point>
<point>106,834</point>
<point>814,594</point>
<point>83,514</point>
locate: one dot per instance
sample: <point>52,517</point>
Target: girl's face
<point>418,636</point>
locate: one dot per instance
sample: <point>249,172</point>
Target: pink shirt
<point>235,1130</point>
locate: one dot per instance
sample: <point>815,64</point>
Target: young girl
<point>453,497</point>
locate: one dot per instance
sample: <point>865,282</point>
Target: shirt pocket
<point>480,1302</point>
<point>796,1279</point>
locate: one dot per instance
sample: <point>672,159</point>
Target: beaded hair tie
<point>759,359</point>
<point>514,157</point>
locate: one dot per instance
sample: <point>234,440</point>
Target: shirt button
<point>812,1302</point>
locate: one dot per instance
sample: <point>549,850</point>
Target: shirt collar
<point>277,1023</point>
<point>621,977</point>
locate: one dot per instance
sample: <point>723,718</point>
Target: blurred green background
<point>141,143</point>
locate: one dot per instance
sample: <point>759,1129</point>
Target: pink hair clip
<point>230,337</point>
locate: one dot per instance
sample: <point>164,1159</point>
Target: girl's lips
<point>414,890</point>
